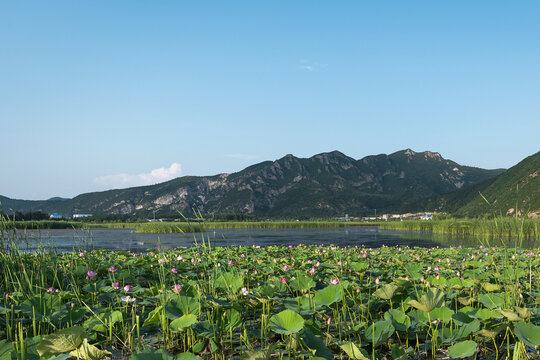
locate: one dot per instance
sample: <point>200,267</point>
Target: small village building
<point>78,216</point>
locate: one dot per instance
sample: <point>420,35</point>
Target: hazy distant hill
<point>326,184</point>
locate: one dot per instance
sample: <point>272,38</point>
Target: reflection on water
<point>128,239</point>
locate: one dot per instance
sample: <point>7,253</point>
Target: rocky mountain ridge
<point>324,185</point>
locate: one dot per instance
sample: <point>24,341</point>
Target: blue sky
<point>106,94</point>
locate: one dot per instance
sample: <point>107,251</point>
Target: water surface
<point>127,239</point>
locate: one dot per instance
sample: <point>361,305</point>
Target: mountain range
<point>324,185</point>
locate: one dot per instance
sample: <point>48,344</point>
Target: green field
<point>303,302</point>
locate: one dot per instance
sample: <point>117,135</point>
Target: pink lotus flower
<point>286,268</point>
<point>91,274</point>
<point>174,271</point>
<point>115,285</point>
<point>334,281</point>
<point>377,281</point>
<point>177,288</point>
<point>242,255</point>
<point>283,280</point>
<point>52,289</point>
<point>127,288</point>
<point>312,271</point>
<point>112,269</point>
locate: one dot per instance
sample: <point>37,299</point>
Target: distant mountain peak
<point>433,155</point>
<point>409,152</point>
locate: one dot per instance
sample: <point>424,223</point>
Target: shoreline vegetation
<point>502,227</point>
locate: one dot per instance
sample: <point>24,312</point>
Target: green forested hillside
<point>516,190</point>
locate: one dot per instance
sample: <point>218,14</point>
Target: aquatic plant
<point>300,302</point>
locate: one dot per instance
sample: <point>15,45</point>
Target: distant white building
<point>78,216</point>
<point>56,216</point>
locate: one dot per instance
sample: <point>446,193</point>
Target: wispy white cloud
<point>306,67</point>
<point>242,156</point>
<point>126,180</point>
<point>310,66</point>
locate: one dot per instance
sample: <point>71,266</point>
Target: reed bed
<point>277,224</point>
<point>168,227</point>
<point>507,228</point>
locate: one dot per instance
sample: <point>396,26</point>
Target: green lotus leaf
<point>443,314</point>
<point>230,281</point>
<point>359,266</point>
<point>183,322</point>
<point>466,301</point>
<point>524,312</point>
<point>491,333</point>
<point>181,305</point>
<point>492,300</point>
<point>461,318</point>
<point>399,320</point>
<point>187,356</point>
<point>489,287</point>
<point>386,292</point>
<point>353,351</point>
<point>6,348</point>
<point>400,353</point>
<point>315,343</point>
<point>302,282</point>
<point>464,331</point>
<point>379,332</point>
<point>232,319</point>
<point>462,349</point>
<point>487,314</point>
<point>434,298</point>
<point>302,305</point>
<point>89,352</point>
<point>510,315</point>
<point>154,316</point>
<point>286,322</point>
<point>528,333</point>
<point>328,295</point>
<point>152,355</point>
<point>61,341</point>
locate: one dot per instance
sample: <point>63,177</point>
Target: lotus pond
<point>275,302</point>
